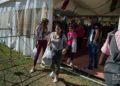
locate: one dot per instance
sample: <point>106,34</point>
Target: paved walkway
<point>81,61</point>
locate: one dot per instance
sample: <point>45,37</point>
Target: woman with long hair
<point>57,44</point>
<point>41,40</point>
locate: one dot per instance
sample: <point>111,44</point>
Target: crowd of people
<point>67,38</point>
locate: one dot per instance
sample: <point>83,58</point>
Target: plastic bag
<point>47,57</point>
<point>34,53</point>
<point>74,46</point>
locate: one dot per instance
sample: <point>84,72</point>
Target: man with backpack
<point>111,49</point>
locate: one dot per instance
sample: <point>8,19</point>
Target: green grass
<point>9,57</point>
<point>16,72</point>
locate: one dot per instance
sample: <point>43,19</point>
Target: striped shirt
<point>106,48</point>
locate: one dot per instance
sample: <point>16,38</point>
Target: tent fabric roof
<point>89,7</point>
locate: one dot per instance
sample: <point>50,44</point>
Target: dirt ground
<point>20,76</point>
<point>16,73</point>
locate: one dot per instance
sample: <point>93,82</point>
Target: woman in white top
<point>58,46</point>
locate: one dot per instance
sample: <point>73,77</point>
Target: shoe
<point>42,65</point>
<point>55,80</point>
<point>32,70</point>
<point>52,74</point>
<point>90,68</point>
<point>71,64</point>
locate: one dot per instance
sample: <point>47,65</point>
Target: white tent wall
<point>5,17</point>
<point>19,18</point>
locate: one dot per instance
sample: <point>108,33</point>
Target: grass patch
<point>9,57</point>
<point>16,72</point>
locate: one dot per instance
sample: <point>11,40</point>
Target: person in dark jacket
<point>93,46</point>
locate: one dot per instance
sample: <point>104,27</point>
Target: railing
<point>13,60</point>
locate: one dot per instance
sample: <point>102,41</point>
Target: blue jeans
<point>93,52</point>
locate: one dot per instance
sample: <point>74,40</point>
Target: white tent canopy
<point>90,7</point>
<point>19,18</point>
<point>85,7</point>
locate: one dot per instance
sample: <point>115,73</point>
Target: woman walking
<point>41,40</point>
<point>57,44</point>
<point>72,45</point>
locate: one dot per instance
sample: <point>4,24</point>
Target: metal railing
<point>9,61</point>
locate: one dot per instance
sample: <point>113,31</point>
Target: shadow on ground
<point>69,83</point>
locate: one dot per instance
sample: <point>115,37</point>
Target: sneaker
<point>32,70</point>
<point>89,68</point>
<point>71,64</point>
<point>55,80</point>
<point>52,74</point>
<point>42,65</point>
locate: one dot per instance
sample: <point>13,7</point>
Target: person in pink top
<point>106,47</point>
<point>71,44</point>
<point>111,48</point>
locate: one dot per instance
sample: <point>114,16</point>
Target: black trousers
<point>56,61</point>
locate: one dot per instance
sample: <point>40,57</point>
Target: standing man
<point>93,45</point>
<point>41,40</point>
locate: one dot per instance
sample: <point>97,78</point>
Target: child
<point>72,44</point>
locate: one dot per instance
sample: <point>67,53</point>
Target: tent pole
<point>119,23</point>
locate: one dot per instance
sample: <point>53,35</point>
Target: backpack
<point>112,65</point>
<point>110,35</point>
